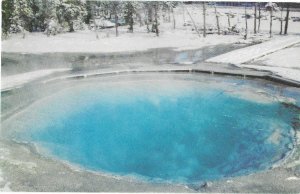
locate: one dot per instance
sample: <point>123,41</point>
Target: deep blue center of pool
<point>186,136</point>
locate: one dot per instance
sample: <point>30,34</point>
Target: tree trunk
<point>131,23</point>
<point>217,18</point>
<point>193,23</point>
<point>147,24</point>
<point>228,17</point>
<point>96,28</point>
<point>116,24</point>
<point>183,15</point>
<point>149,18</point>
<point>204,20</point>
<point>259,16</point>
<point>156,21</point>
<point>130,18</point>
<point>174,22</point>
<point>23,33</point>
<point>150,14</point>
<point>246,23</point>
<point>255,10</point>
<point>287,20</point>
<point>140,19</point>
<point>271,22</point>
<point>71,26</point>
<point>281,21</point>
<point>95,24</point>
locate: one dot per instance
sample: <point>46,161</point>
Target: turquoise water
<point>187,133</point>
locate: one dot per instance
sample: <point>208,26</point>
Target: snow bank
<point>20,79</point>
<point>248,54</point>
<point>289,57</point>
<point>273,56</point>
<point>85,41</point>
<point>285,63</point>
<point>289,73</point>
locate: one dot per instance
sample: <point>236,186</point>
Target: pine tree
<point>115,7</point>
<point>281,20</point>
<point>89,9</point>
<point>246,24</point>
<point>147,5</point>
<point>73,10</point>
<point>271,7</point>
<point>259,17</point>
<point>204,19</point>
<point>168,6</point>
<point>130,8</point>
<point>152,11</point>
<point>35,7</point>
<point>21,17</point>
<point>255,13</point>
<point>217,18</point>
<point>7,7</point>
<point>287,19</point>
<point>47,11</point>
<point>156,6</point>
<point>287,6</point>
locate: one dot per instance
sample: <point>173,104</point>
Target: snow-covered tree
<point>281,20</point>
<point>217,18</point>
<point>204,19</point>
<point>287,19</point>
<point>70,10</point>
<point>287,6</point>
<point>246,23</point>
<point>168,8</point>
<point>255,17</point>
<point>148,14</point>
<point>115,8</point>
<point>156,6</point>
<point>259,17</point>
<point>229,16</point>
<point>271,7</point>
<point>47,12</point>
<point>130,9</point>
<point>21,16</point>
<point>7,7</point>
<point>153,9</point>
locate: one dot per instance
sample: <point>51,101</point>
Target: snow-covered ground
<point>289,73</point>
<point>270,56</point>
<point>238,20</point>
<point>85,41</point>
<point>288,57</point>
<point>238,57</point>
<point>181,38</point>
<point>20,79</point>
<point>285,63</point>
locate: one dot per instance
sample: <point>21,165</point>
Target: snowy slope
<point>289,73</point>
<point>85,41</point>
<point>289,57</point>
<point>20,79</point>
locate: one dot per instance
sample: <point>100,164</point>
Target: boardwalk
<point>248,54</point>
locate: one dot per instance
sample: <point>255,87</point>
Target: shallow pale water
<point>180,131</point>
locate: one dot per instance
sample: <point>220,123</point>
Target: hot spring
<point>176,129</point>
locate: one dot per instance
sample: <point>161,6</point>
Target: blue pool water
<point>184,134</point>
